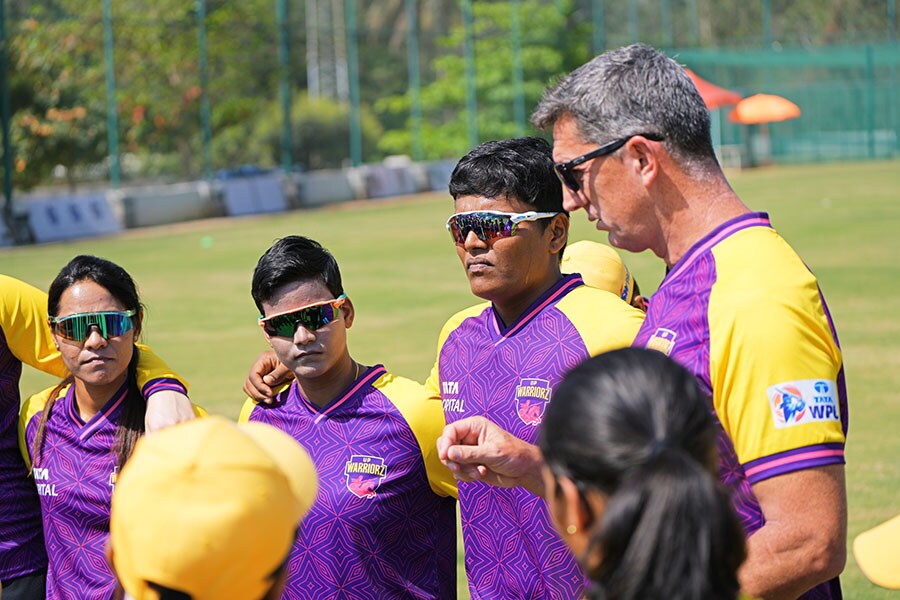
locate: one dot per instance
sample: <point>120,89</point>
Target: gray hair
<point>629,91</point>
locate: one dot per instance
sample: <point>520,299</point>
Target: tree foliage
<point>58,88</point>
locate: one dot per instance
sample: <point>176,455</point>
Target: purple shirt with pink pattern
<point>75,475</point>
<point>21,537</point>
<point>377,529</point>
<point>743,313</point>
<point>512,549</point>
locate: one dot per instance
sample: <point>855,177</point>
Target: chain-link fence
<point>131,91</point>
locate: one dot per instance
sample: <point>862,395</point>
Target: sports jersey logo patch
<point>662,340</point>
<point>364,475</point>
<point>532,396</point>
<point>42,474</point>
<point>803,401</point>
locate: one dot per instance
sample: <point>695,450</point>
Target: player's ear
<point>558,230</point>
<point>348,312</point>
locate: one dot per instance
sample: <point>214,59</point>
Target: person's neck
<point>322,390</point>
<point>90,399</point>
<point>701,208</point>
<point>510,310</point>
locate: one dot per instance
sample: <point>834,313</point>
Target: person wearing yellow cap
<point>601,267</point>
<point>209,510</point>
<point>877,554</point>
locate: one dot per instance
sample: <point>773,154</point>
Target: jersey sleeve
<point>775,365</point>
<point>425,416</point>
<point>604,320</point>
<point>154,375</point>
<point>247,410</point>
<point>28,420</point>
<point>23,319</point>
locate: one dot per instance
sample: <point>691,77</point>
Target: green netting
<point>848,96</point>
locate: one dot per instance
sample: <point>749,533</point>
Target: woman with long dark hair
<point>630,476</point>
<point>78,434</point>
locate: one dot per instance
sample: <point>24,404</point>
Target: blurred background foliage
<point>411,75</point>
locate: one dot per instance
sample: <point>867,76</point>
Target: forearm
<point>803,542</point>
<point>779,569</point>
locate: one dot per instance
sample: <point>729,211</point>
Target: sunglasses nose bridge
<point>474,237</point>
<point>302,334</point>
<point>91,340</point>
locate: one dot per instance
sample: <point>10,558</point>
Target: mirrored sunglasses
<point>489,225</point>
<point>312,317</point>
<point>78,327</point>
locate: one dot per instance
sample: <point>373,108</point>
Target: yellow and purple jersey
<point>507,374</point>
<point>743,313</point>
<point>25,338</point>
<point>74,475</point>
<point>383,524</point>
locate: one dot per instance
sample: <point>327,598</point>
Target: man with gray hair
<point>737,307</point>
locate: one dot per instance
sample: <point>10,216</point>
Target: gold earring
<point>571,530</point>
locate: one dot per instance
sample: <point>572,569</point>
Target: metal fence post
<point>204,92</point>
<point>5,116</point>
<point>599,34</point>
<point>284,77</point>
<point>412,67</point>
<point>353,84</point>
<point>471,92</point>
<point>518,90</point>
<point>112,109</point>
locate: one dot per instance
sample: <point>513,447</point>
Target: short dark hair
<point>291,259</point>
<point>520,168</point>
<point>633,425</point>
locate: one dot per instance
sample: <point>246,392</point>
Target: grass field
<point>400,268</point>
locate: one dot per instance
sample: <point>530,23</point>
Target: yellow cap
<point>600,267</point>
<point>209,508</point>
<point>877,553</point>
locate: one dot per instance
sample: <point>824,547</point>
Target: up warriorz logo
<point>662,340</point>
<point>532,396</point>
<point>803,401</point>
<point>364,475</point>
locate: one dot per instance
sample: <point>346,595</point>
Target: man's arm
<point>804,540</point>
<point>475,449</point>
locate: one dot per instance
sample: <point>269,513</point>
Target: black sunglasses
<point>566,171</point>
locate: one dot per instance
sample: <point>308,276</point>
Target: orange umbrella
<point>713,95</point>
<point>764,108</point>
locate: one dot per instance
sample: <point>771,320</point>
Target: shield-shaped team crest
<point>364,474</point>
<point>662,340</point>
<point>532,396</point>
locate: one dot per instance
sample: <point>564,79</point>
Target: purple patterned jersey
<point>75,475</point>
<point>21,537</point>
<point>383,524</point>
<point>743,313</point>
<point>507,374</point>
